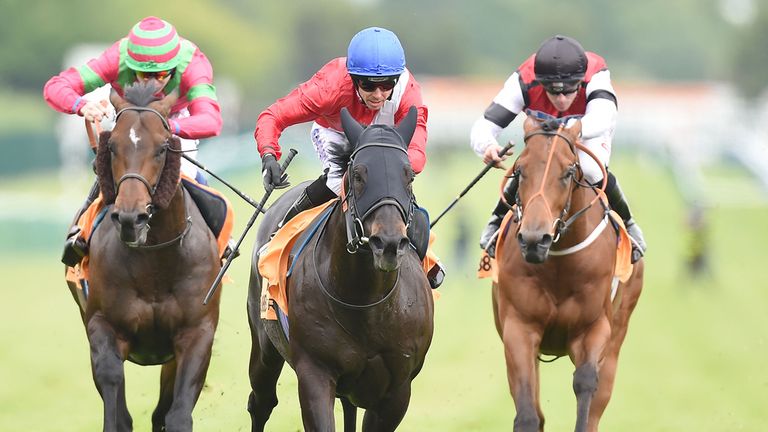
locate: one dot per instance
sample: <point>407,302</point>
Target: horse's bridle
<point>151,188</point>
<point>559,225</point>
<point>355,229</point>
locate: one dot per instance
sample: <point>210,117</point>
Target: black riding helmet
<point>562,60</point>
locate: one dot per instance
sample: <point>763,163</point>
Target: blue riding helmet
<point>375,52</point>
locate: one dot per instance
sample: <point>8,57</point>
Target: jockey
<point>152,50</point>
<point>560,79</point>
<point>373,83</point>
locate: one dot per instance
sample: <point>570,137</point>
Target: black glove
<point>272,173</point>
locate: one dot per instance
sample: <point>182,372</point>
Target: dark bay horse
<point>556,269</point>
<point>151,262</point>
<point>360,308</point>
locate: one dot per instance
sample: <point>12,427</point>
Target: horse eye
<point>111,147</point>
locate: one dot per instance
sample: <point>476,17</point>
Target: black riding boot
<point>618,202</point>
<point>76,247</point>
<point>490,233</point>
<point>418,234</point>
<point>313,195</point>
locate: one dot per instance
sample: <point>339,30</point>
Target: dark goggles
<point>561,87</point>
<point>369,84</point>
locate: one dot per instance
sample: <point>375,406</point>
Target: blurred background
<point>691,151</point>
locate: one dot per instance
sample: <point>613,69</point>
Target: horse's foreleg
<point>316,394</point>
<point>264,370</point>
<point>193,355</point>
<point>619,328</point>
<point>586,352</point>
<point>521,345</point>
<point>108,374</point>
<point>389,413</point>
<point>167,380</point>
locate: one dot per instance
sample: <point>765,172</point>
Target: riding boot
<point>75,246</point>
<point>618,202</point>
<point>418,234</point>
<point>490,233</point>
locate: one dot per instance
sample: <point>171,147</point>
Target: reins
<point>325,290</point>
<point>560,225</point>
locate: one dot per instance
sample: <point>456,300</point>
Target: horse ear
<point>352,129</point>
<point>530,124</point>
<point>117,101</point>
<point>575,127</point>
<point>407,126</point>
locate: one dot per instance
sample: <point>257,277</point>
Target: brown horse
<point>360,311</point>
<point>151,262</point>
<point>555,275</point>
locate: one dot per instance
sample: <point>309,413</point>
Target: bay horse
<point>555,275</point>
<point>151,261</point>
<point>360,309</point>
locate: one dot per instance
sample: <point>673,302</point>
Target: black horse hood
<point>383,150</point>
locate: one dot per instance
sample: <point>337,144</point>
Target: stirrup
<point>75,248</point>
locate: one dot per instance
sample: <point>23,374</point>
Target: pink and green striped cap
<point>153,45</point>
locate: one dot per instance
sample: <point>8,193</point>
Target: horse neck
<point>167,223</point>
<point>351,276</point>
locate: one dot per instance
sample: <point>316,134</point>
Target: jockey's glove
<point>272,173</point>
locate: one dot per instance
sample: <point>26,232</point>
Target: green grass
<point>693,359</point>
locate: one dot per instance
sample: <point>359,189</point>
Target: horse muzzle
<point>132,226</point>
<point>534,246</point>
<point>388,251</point>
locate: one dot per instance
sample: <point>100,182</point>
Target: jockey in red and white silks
<point>321,99</point>
<point>595,100</point>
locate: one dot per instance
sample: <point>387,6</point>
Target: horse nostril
<point>404,243</point>
<point>376,242</point>
<point>546,240</point>
<point>115,217</point>
<point>142,219</point>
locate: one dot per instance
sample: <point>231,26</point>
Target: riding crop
<point>259,207</point>
<point>234,189</point>
<point>485,170</point>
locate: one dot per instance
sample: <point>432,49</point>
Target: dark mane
<point>141,93</point>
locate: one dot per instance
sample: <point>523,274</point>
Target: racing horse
<point>151,261</point>
<point>555,275</point>
<point>360,309</point>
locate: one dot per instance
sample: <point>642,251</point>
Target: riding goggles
<point>369,84</point>
<point>159,75</point>
<point>561,87</point>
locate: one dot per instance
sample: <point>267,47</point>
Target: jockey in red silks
<point>559,80</point>
<point>373,83</point>
<point>152,50</point>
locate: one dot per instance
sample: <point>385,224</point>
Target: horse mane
<point>141,93</point>
<point>166,185</point>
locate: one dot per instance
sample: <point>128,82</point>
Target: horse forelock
<point>104,169</point>
<point>142,93</point>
